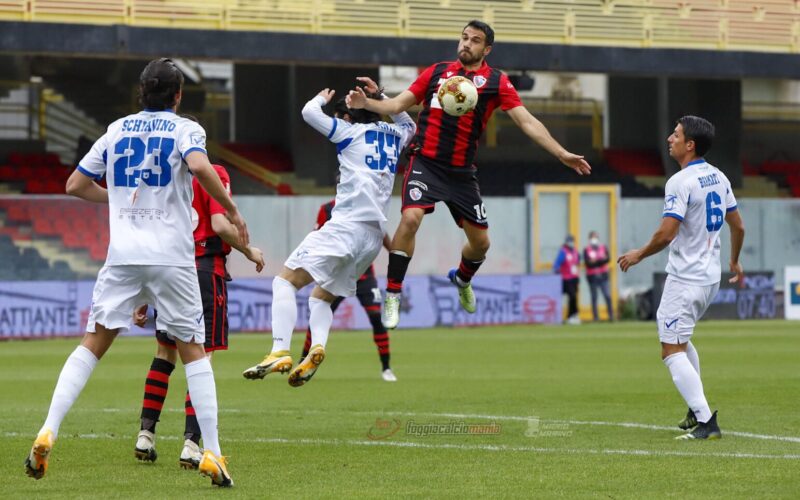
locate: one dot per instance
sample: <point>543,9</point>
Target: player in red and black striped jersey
<point>441,166</point>
<point>369,295</point>
<point>213,237</point>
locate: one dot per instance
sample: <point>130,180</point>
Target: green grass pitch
<point>587,411</point>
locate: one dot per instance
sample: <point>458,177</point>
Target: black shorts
<point>214,292</point>
<point>427,183</point>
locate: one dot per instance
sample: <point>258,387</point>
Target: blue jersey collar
<point>696,162</point>
<point>150,110</point>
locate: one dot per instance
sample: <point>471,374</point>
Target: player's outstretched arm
<point>85,188</point>
<point>736,224</point>
<point>402,119</point>
<point>227,231</point>
<point>357,99</point>
<point>663,236</point>
<point>536,130</point>
<point>208,178</point>
<point>314,116</point>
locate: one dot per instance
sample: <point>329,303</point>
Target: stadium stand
<point>38,232</point>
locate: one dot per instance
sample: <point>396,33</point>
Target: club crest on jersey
<point>479,80</point>
<point>415,194</point>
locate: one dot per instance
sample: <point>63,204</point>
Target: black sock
<point>192,430</point>
<point>155,391</point>
<point>467,269</point>
<point>398,265</point>
<point>381,338</point>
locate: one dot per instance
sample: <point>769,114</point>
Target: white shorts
<point>338,254</point>
<point>682,305</point>
<point>173,291</point>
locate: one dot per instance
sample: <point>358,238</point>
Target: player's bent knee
<point>99,341</point>
<point>411,220</point>
<point>166,353</point>
<point>190,352</point>
<point>298,278</point>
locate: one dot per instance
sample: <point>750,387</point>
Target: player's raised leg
<point>74,375</point>
<point>319,322</point>
<point>399,259</point>
<point>284,319</point>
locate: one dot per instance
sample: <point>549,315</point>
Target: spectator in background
<point>566,265</point>
<point>595,256</point>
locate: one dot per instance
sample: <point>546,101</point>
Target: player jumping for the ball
<point>337,254</point>
<point>441,167</point>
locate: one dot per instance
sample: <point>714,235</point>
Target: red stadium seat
<point>16,159</point>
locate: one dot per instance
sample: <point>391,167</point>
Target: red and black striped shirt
<point>210,252</point>
<point>452,141</point>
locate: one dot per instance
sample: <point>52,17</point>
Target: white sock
<point>688,382</point>
<point>320,320</point>
<point>694,359</point>
<point>76,372</point>
<point>203,391</point>
<point>284,313</point>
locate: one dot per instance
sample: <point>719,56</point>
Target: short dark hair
<point>356,115</point>
<point>699,130</point>
<point>487,30</point>
<point>159,84</point>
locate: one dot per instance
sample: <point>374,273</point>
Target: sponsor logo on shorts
<point>416,172</point>
<point>415,194</point>
<point>199,319</point>
<point>421,184</point>
<point>670,324</point>
<point>479,80</point>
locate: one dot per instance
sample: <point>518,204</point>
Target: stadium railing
<point>758,25</point>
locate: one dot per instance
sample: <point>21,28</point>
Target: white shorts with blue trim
<point>338,254</point>
<point>173,291</point>
<point>682,305</point>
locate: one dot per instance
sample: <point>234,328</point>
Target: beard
<point>468,58</point>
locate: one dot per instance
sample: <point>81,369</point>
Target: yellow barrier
<point>758,25</point>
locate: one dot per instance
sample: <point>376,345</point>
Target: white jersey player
<point>147,158</point>
<point>336,255</point>
<point>697,201</point>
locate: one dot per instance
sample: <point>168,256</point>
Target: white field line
<point>461,447</point>
<point>515,418</point>
<point>790,439</point>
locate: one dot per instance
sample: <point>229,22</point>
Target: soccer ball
<point>457,96</point>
